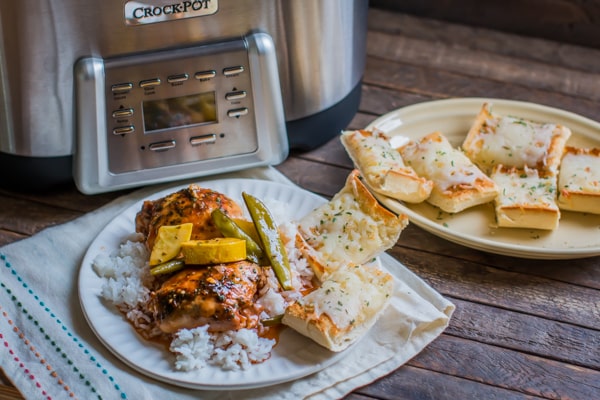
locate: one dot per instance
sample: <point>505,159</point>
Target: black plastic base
<point>34,174</point>
<point>313,131</point>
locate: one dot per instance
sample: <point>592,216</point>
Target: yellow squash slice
<point>168,242</point>
<point>214,251</point>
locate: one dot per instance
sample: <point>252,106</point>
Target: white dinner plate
<point>578,234</point>
<point>294,357</point>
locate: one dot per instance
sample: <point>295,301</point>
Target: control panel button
<point>122,113</point>
<point>203,75</point>
<point>178,78</point>
<point>123,130</point>
<point>203,139</point>
<point>237,112</point>
<point>150,83</point>
<point>230,71</point>
<point>159,146</point>
<point>121,88</point>
<point>237,95</point>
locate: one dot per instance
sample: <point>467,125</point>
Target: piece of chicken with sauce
<point>192,204</point>
<point>221,296</point>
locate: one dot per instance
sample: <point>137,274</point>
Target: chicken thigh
<point>221,296</point>
<point>192,204</point>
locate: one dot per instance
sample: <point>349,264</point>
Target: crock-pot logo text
<point>138,13</point>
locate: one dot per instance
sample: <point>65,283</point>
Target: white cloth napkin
<point>49,352</point>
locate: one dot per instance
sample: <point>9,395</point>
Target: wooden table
<point>522,328</point>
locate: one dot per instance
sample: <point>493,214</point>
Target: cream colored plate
<point>578,234</point>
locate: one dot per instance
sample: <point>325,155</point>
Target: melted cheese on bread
<point>343,308</point>
<point>352,228</point>
<point>514,142</point>
<point>457,182</point>
<point>526,199</point>
<point>340,241</point>
<point>383,168</point>
<point>579,180</point>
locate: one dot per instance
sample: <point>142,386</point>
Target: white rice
<point>197,348</point>
<point>127,282</point>
<point>125,276</point>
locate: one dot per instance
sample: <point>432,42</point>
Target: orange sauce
<point>273,332</point>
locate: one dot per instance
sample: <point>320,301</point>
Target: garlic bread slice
<point>383,168</point>
<point>579,180</point>
<point>515,142</point>
<point>351,228</point>
<point>343,308</point>
<point>526,199</point>
<point>458,183</point>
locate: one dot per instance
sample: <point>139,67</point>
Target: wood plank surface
<point>526,293</point>
<point>523,329</point>
<point>504,368</point>
<point>568,21</point>
<point>424,384</point>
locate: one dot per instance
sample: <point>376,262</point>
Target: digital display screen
<point>179,111</point>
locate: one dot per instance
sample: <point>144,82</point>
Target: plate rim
<point>469,240</point>
<point>85,294</point>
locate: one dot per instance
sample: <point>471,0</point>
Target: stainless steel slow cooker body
<point>319,47</point>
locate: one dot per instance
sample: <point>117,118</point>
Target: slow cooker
<point>115,94</point>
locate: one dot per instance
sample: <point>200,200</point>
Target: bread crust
<point>383,168</point>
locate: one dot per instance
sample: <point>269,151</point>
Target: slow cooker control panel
<point>179,106</point>
<point>178,113</point>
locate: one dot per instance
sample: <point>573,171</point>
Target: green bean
<point>229,228</point>
<point>167,267</point>
<point>272,321</point>
<point>271,241</point>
